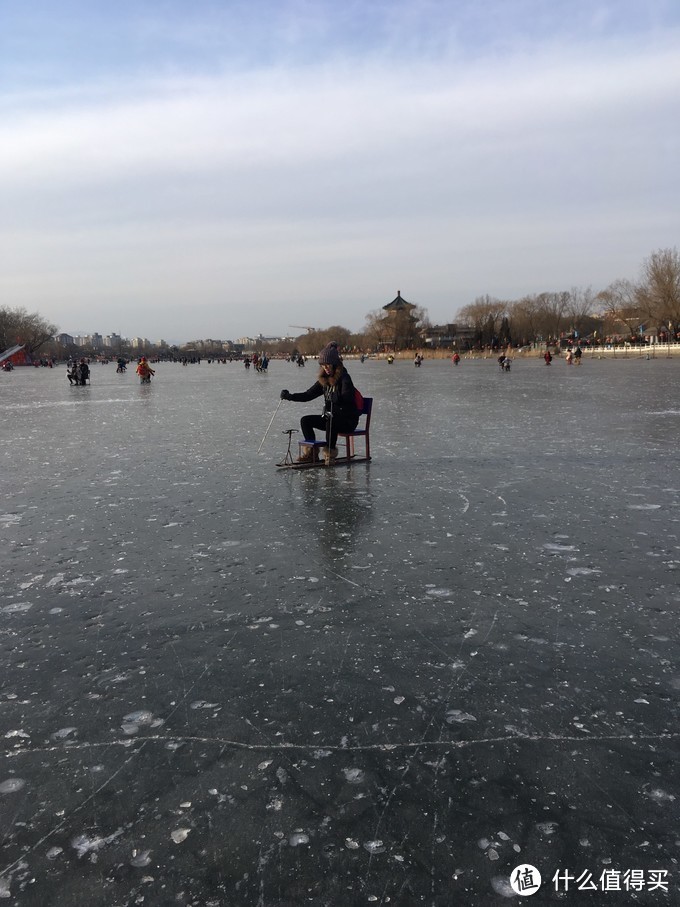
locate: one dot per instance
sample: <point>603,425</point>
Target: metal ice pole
<point>269,426</point>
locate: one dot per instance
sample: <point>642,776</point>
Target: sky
<point>219,168</point>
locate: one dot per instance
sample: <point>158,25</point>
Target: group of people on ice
<point>572,357</point>
<point>78,372</point>
<point>260,363</point>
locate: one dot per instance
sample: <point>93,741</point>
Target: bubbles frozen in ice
<point>180,834</point>
<point>374,846</point>
<point>86,844</point>
<point>456,716</point>
<point>502,886</point>
<point>142,716</point>
<point>140,858</point>
<point>353,775</point>
<point>297,838</point>
<point>11,785</point>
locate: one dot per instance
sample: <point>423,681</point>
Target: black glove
<point>285,395</point>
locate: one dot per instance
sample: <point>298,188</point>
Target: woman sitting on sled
<point>340,412</point>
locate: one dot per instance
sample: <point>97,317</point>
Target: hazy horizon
<point>229,171</point>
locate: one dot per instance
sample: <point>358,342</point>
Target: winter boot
<point>306,455</point>
<point>329,455</point>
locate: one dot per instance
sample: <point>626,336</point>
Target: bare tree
<point>580,307</point>
<point>522,315</point>
<point>553,307</point>
<point>621,304</point>
<point>660,288</point>
<point>29,328</point>
<point>484,315</point>
<point>314,341</point>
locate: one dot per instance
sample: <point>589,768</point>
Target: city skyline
<point>95,340</point>
<point>232,170</point>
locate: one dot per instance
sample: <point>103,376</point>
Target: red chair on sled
<point>361,431</point>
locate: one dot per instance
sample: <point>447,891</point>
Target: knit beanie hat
<point>329,354</point>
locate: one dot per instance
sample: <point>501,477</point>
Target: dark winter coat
<point>338,393</point>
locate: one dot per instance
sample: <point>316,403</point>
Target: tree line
<point>625,307</point>
<point>648,305</point>
<point>28,328</point>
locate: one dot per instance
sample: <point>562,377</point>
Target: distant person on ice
<point>145,371</point>
<point>83,372</point>
<point>340,413</point>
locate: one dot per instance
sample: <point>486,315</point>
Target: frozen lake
<point>395,683</point>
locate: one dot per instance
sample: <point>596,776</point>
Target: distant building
<point>448,335</point>
<point>399,323</point>
<point>64,339</point>
<point>253,343</point>
<point>112,341</point>
<point>398,305</point>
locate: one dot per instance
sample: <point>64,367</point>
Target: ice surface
<point>206,661</point>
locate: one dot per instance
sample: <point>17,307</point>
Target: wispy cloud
<point>340,176</point>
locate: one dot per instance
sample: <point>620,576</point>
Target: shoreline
<point>647,352</point>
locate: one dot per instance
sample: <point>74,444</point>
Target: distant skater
<point>548,357</point>
<point>144,371</point>
<point>340,413</point>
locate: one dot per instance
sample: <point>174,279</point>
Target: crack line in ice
<point>337,748</point>
<point>344,578</point>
